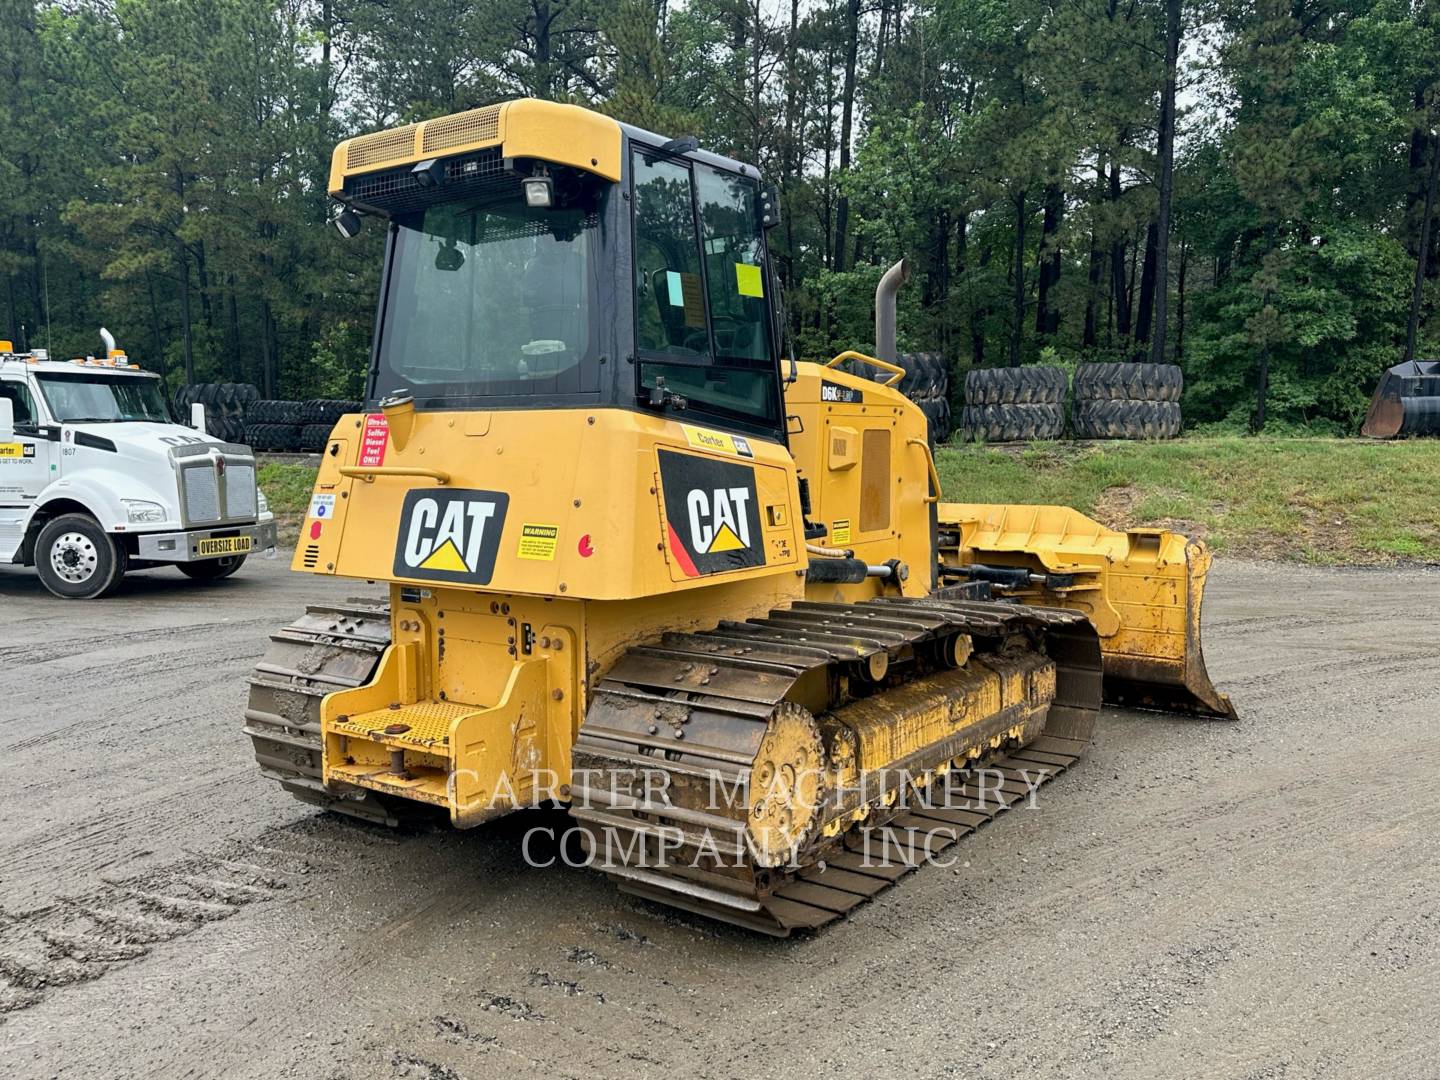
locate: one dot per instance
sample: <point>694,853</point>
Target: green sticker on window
<point>676,287</point>
<point>748,280</point>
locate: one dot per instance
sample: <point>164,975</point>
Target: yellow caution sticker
<point>703,439</point>
<point>748,280</point>
<point>538,542</point>
<point>840,532</point>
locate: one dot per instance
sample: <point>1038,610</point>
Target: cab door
<point>25,461</point>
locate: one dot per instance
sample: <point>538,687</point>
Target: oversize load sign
<point>450,535</point>
<point>711,517</point>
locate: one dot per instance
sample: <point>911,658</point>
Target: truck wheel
<point>212,569</point>
<point>77,559</point>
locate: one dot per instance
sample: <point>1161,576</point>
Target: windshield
<point>90,396</point>
<point>495,300</point>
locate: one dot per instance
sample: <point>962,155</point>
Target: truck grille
<point>202,494</point>
<point>240,491</point>
<point>216,495</point>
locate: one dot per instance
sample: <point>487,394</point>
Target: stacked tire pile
<point>927,384</point>
<point>1013,404</point>
<point>294,426</point>
<point>1127,401</point>
<point>226,405</point>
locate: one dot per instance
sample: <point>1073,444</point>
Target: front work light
<point>347,223</point>
<point>539,192</point>
<point>429,174</point>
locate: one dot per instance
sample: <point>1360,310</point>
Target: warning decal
<point>538,542</point>
<point>374,439</point>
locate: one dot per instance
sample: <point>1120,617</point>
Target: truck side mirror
<point>197,416</point>
<point>7,419</point>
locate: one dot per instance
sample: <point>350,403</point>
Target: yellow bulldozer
<point>644,565</point>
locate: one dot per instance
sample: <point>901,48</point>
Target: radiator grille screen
<point>240,492</point>
<point>202,494</point>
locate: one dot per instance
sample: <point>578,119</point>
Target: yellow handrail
<point>851,354</point>
<point>368,473</point>
<point>930,461</point>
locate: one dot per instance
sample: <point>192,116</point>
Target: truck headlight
<point>262,504</point>
<point>138,510</point>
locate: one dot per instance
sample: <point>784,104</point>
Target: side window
<point>24,404</point>
<point>733,270</point>
<point>670,299</point>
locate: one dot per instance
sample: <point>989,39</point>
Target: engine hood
<point>131,438</point>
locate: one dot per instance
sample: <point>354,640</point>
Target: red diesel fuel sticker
<point>374,439</point>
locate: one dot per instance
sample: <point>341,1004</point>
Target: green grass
<point>287,488</point>
<point>1327,501</point>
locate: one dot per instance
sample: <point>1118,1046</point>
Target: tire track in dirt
<point>79,937</point>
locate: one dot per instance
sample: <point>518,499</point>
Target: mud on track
<point>1258,899</point>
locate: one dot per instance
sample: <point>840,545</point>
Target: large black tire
<point>944,422</point>
<point>1033,385</point>
<point>272,436</point>
<point>257,436</point>
<point>77,559</point>
<point>274,412</point>
<point>936,372</point>
<point>212,569</point>
<point>1012,422</point>
<point>314,436</point>
<point>219,399</point>
<point>927,375</point>
<point>1128,382</point>
<point>326,411</point>
<point>1127,419</point>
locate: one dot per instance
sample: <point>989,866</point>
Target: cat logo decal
<point>712,520</point>
<point>450,535</point>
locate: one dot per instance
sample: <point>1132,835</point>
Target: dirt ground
<point>1256,900</point>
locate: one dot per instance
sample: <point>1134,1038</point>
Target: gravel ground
<point>1195,899</point>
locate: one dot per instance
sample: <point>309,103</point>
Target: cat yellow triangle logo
<point>445,557</point>
<point>725,540</point>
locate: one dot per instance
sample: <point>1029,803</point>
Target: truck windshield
<point>96,397</point>
<point>492,301</point>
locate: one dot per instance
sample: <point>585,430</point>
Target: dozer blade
<point>1141,588</point>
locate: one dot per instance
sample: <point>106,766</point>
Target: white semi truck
<point>96,478</point>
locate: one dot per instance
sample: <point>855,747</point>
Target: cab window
<point>21,401</point>
<point>667,261</point>
<point>701,319</point>
<point>494,300</point>
<point>731,229</point>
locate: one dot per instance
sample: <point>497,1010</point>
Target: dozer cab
<point>644,565</point>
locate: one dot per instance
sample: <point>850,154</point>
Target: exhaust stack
<point>885,346</point>
<point>109,340</point>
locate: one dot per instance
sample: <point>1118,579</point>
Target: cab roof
<point>13,363</point>
<point>549,131</point>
